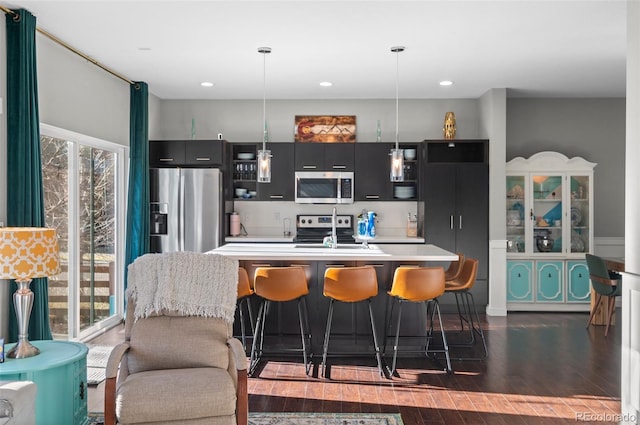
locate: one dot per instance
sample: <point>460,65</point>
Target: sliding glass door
<point>83,193</point>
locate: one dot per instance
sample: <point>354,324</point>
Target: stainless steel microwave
<point>324,187</point>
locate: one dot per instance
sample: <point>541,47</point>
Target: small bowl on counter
<point>240,192</point>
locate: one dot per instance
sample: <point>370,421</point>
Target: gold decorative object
<point>449,129</point>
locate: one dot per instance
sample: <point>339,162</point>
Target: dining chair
<point>605,283</point>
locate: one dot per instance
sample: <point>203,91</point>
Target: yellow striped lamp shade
<point>28,252</point>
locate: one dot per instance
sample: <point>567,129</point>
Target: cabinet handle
<point>378,265</point>
<point>276,196</point>
<point>549,276</point>
<point>451,222</point>
<point>165,159</point>
<point>372,196</point>
<point>203,159</point>
<point>338,167</point>
<point>261,265</point>
<point>81,390</point>
<point>334,265</point>
<point>460,223</point>
<point>531,215</point>
<point>519,275</point>
<point>309,167</point>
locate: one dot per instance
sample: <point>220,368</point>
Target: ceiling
<point>571,48</point>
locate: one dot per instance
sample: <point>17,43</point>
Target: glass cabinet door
<point>579,213</point>
<point>515,213</point>
<point>546,213</point>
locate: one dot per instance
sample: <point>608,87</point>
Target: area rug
<point>96,363</point>
<point>306,419</point>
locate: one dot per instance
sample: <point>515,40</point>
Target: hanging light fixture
<point>397,159</point>
<point>264,155</point>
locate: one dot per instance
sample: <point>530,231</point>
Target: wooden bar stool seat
<point>276,285</point>
<point>419,285</point>
<point>350,285</point>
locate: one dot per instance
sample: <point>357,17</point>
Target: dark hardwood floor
<point>542,368</point>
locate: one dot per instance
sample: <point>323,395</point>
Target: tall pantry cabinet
<point>455,182</point>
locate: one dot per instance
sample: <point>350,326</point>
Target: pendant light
<point>264,155</point>
<point>397,160</point>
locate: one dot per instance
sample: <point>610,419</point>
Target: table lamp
<point>26,253</point>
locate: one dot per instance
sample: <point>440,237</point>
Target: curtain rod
<point>71,48</point>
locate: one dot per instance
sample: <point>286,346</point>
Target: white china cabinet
<point>549,223</point>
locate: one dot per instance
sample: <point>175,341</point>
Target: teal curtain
<point>25,204</point>
<point>138,199</point>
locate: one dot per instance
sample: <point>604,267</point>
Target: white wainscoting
<point>608,247</point>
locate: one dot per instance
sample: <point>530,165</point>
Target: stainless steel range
<point>313,228</point>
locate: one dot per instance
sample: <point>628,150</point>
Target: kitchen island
<point>350,320</point>
<point>347,252</point>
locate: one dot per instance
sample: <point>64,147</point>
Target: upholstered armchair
<point>179,363</point>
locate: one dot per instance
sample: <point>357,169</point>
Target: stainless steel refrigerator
<point>186,209</point>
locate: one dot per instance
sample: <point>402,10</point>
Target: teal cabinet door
<point>549,279</point>
<point>519,281</point>
<point>578,287</point>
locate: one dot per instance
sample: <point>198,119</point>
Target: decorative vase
<point>449,128</point>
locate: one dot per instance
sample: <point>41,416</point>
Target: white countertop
<point>386,252</point>
<point>289,239</point>
<point>260,238</point>
<point>393,239</point>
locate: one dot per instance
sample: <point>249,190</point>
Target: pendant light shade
<point>397,155</point>
<point>264,155</point>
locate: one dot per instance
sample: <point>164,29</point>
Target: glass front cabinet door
<point>549,222</point>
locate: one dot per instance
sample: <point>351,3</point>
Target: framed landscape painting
<point>325,128</point>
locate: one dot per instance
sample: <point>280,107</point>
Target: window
<point>84,188</point>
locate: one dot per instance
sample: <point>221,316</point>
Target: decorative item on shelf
<point>397,157</point>
<point>234,226</point>
<point>325,128</point>
<point>449,129</point>
<point>378,133</point>
<point>544,244</point>
<point>264,155</point>
<point>26,253</point>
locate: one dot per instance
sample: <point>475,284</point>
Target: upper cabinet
<point>186,153</point>
<point>549,205</point>
<point>244,167</point>
<point>324,156</point>
<point>372,180</point>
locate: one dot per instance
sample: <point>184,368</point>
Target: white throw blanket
<point>190,283</point>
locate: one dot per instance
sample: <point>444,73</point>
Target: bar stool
<point>244,293</point>
<point>455,267</point>
<point>350,285</point>
<point>275,285</point>
<point>452,273</point>
<point>419,285</point>
<point>461,287</point>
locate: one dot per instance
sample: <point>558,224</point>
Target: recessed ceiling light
<point>144,49</point>
<point>206,84</point>
<point>326,84</point>
<point>446,83</point>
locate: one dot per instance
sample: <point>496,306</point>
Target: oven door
<point>317,187</point>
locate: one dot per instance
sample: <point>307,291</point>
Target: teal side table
<point>60,373</point>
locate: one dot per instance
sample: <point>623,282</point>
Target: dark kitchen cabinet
<point>372,173</point>
<point>324,156</point>
<point>456,205</point>
<point>281,187</point>
<point>372,168</point>
<point>186,153</point>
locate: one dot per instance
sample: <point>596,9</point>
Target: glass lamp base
<point>23,349</point>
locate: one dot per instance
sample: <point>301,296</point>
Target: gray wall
<point>591,128</point>
<point>241,121</point>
